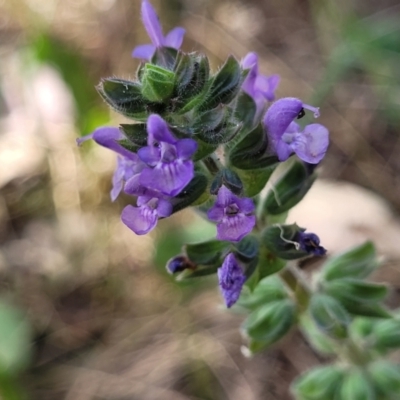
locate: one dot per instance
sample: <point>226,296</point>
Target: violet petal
<point>186,148</point>
<point>158,130</point>
<point>144,51</point>
<point>231,280</point>
<point>235,228</point>
<point>140,220</point>
<point>174,38</point>
<point>152,24</point>
<point>311,144</point>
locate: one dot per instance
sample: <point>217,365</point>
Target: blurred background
<point>87,310</point>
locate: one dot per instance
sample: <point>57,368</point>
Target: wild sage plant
<point>214,141</point>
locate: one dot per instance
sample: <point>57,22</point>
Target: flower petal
<point>246,205</point>
<point>249,61</point>
<point>225,197</point>
<point>267,85</point>
<point>279,116</point>
<point>231,280</point>
<point>186,148</point>
<point>216,213</point>
<point>150,155</point>
<point>168,178</point>
<point>235,228</point>
<point>152,24</point>
<point>140,220</point>
<point>174,38</point>
<point>311,144</point>
<point>144,51</point>
<point>164,208</point>
<point>158,130</point>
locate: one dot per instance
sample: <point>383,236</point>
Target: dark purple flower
<point>286,136</point>
<point>170,167</point>
<point>179,264</point>
<point>260,87</point>
<point>233,215</point>
<point>309,242</point>
<point>143,218</point>
<point>153,27</point>
<point>231,280</point>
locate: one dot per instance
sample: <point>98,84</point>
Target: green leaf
<point>209,120</point>
<point>269,263</point>
<point>280,240</point>
<point>362,327</point>
<point>222,134</point>
<point>136,133</point>
<point>196,85</point>
<point>247,249</point>
<point>288,188</point>
<point>191,194</point>
<point>203,150</point>
<point>198,272</point>
<point>252,151</point>
<point>318,340</point>
<point>225,84</point>
<point>356,290</point>
<point>232,181</point>
<point>245,110</point>
<point>157,83</point>
<point>184,71</point>
<point>320,383</point>
<point>356,263</point>
<point>358,297</point>
<point>123,96</point>
<point>165,57</point>
<point>270,322</point>
<point>356,386</point>
<point>207,252</point>
<point>254,180</point>
<point>386,379</point>
<point>329,315</point>
<point>268,290</point>
<point>387,333</point>
<point>15,340</point>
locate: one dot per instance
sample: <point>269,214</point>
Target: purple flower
<point>286,136</point>
<point>150,206</point>
<point>309,242</point>
<point>231,280</point>
<point>152,24</point>
<point>126,169</point>
<point>128,163</point>
<point>233,215</point>
<point>170,168</point>
<point>179,264</point>
<point>143,218</point>
<point>108,136</point>
<point>260,87</point>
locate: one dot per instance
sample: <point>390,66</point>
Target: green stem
<point>297,283</point>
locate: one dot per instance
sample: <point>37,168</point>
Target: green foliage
<point>288,188</point>
<point>359,263</point>
<point>206,253</point>
<point>386,379</point>
<point>281,241</point>
<point>158,83</point>
<point>329,315</point>
<point>268,290</point>
<point>356,386</point>
<point>320,383</point>
<point>269,323</point>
